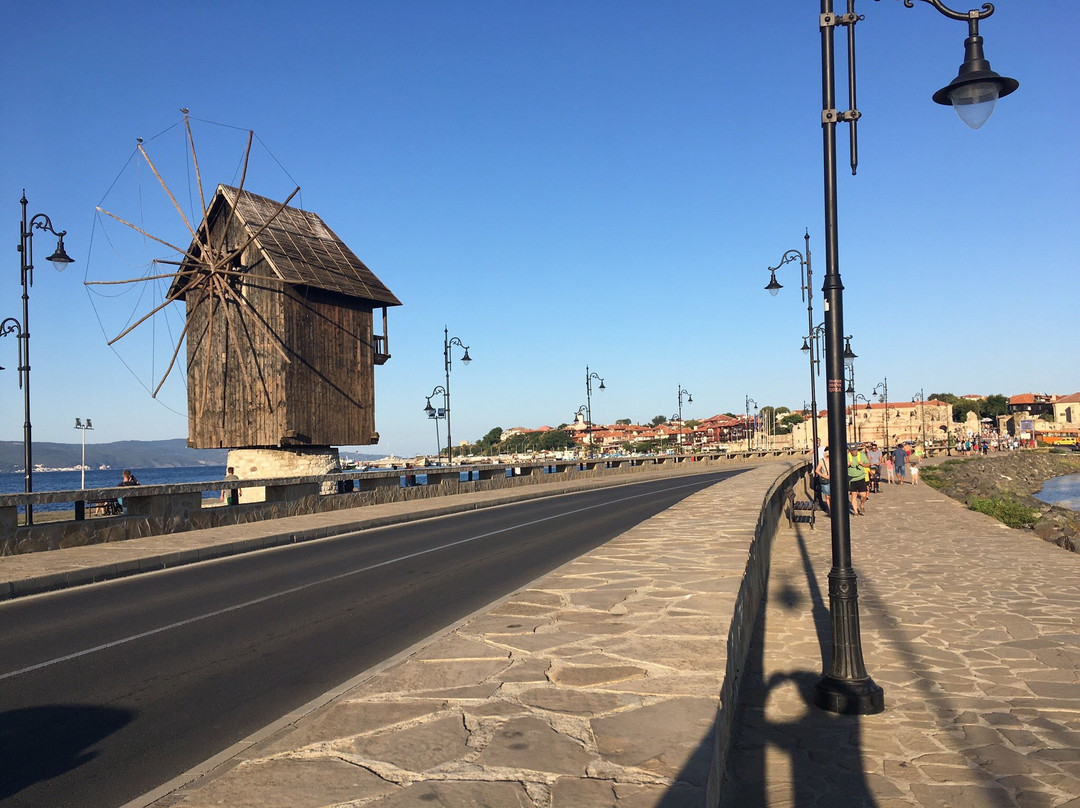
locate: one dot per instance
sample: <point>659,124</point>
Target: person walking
<point>900,461</point>
<point>874,458</point>
<point>857,470</point>
<point>230,496</point>
<point>824,483</point>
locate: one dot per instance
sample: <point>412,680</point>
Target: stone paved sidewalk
<point>597,686</point>
<point>973,631</point>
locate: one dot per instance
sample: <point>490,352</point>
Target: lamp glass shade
<point>974,103</point>
<point>466,359</point>
<point>60,259</point>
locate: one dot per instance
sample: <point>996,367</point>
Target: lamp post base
<point>849,696</point>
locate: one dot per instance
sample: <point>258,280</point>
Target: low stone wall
<point>165,509</point>
<point>748,603</point>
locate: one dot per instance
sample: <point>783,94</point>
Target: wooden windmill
<point>281,347</point>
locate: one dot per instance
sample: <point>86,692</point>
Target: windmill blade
<point>248,384</point>
<point>134,280</point>
<point>265,225</point>
<point>200,402</point>
<point>168,299</point>
<point>195,160</point>
<point>243,177</point>
<point>275,340</point>
<point>139,230</point>
<point>176,204</point>
<point>176,351</point>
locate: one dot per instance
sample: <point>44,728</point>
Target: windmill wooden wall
<point>291,364</point>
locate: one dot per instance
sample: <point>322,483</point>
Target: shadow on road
<point>39,743</point>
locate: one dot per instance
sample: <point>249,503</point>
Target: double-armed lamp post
<point>846,687</point>
<point>448,343</point>
<point>882,389</point>
<point>921,399</point>
<point>59,259</point>
<point>689,400</point>
<point>746,422</point>
<point>435,415</point>
<point>805,279</point>
<point>589,376</point>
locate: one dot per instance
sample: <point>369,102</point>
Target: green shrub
<point>1011,513</point>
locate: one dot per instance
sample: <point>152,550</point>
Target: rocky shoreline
<point>1014,477</point>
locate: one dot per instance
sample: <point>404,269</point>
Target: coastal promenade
<point>598,684</point>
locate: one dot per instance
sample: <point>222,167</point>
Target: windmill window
<point>236,281</point>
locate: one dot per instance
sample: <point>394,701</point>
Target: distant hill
<point>134,454</point>
<point>125,454</point>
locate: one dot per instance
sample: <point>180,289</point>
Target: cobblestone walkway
<point>973,631</point>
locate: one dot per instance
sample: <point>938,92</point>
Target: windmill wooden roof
<point>300,248</point>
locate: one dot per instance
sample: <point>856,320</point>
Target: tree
<point>948,398</point>
<point>657,420</point>
<point>994,405</point>
<point>962,406</point>
<point>555,439</point>
<point>623,421</point>
<point>767,416</point>
<point>486,444</point>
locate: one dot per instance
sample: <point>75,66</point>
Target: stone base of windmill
<point>262,464</point>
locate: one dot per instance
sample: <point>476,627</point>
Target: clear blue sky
<point>562,184</point>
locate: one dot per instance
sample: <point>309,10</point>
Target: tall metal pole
<point>689,398</point>
<point>448,343</point>
<point>589,376</point>
<point>807,287</point>
<point>746,422</point>
<point>845,687</point>
<point>59,259</point>
<point>810,326</point>
<point>446,395</point>
<point>26,245</point>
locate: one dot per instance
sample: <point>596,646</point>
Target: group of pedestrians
<point>865,463</point>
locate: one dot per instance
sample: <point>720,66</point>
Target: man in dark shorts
<point>858,468</point>
<point>874,456</point>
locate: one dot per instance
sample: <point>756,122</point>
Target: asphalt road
<point>109,690</point>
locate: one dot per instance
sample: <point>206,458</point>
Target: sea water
<point>1062,491</point>
<point>107,478</point>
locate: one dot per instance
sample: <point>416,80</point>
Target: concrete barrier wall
<point>164,509</point>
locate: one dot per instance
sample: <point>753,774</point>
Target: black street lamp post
<point>448,343</point>
<point>811,346</point>
<point>846,687</point>
<point>59,259</point>
<point>435,415</point>
<point>589,376</point>
<point>806,290</point>
<point>82,428</point>
<point>883,387</point>
<point>689,400</point>
<point>746,422</point>
<point>922,415</point>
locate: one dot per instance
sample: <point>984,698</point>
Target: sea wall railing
<point>150,510</point>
